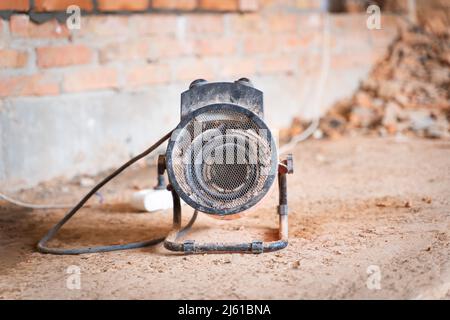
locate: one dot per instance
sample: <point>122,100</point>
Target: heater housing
<point>221,158</point>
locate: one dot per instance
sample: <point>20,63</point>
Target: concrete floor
<point>370,218</point>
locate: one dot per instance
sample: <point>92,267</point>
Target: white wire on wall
<point>321,83</point>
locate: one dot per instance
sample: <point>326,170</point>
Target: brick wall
<point>75,101</point>
<point>129,5</point>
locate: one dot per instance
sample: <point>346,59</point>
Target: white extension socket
<point>152,200</point>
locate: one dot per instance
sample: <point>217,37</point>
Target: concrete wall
<point>81,101</point>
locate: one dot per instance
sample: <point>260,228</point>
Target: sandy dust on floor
<point>362,210</point>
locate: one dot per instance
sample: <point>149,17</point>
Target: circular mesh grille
<point>222,160</point>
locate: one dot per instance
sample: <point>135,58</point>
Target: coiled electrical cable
<point>42,245</point>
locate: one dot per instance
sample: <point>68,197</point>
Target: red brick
<point>283,23</point>
<point>90,79</point>
<point>167,47</point>
<point>215,46</point>
<point>276,65</point>
<point>21,26</point>
<point>222,5</point>
<point>148,75</point>
<point>13,58</point>
<point>155,24</point>
<point>185,5</point>
<point>104,25</point>
<point>61,5</point>
<point>259,44</point>
<point>205,24</point>
<point>348,23</point>
<point>238,68</point>
<point>48,57</point>
<point>29,85</point>
<point>18,5</point>
<point>191,70</point>
<point>358,60</point>
<point>311,22</point>
<point>309,4</point>
<point>310,63</point>
<point>248,5</point>
<point>246,23</point>
<point>352,41</point>
<point>119,5</point>
<point>293,43</point>
<point>125,51</point>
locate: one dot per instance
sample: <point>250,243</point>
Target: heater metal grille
<point>222,159</point>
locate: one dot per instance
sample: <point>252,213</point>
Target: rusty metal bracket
<point>189,246</point>
<point>257,247</point>
<point>161,181</point>
<point>283,210</point>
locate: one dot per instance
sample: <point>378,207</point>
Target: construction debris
<point>407,92</point>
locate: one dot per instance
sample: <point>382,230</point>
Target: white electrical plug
<point>152,200</point>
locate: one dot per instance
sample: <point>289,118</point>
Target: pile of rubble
<point>408,92</point>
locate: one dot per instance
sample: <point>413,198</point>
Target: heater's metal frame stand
<point>190,246</point>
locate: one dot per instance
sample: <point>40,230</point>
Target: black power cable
<point>42,245</point>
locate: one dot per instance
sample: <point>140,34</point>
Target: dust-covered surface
<point>357,204</point>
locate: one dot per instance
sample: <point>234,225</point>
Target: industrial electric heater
<point>221,160</point>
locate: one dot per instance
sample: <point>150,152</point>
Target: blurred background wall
<point>82,101</point>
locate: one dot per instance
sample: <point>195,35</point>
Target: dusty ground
<point>355,203</point>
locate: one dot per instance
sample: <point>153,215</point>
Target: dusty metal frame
<point>173,243</point>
